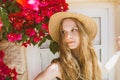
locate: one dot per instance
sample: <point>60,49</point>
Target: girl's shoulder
<point>51,72</point>
<point>55,66</point>
<point>56,60</point>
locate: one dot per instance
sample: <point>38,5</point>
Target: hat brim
<point>56,19</point>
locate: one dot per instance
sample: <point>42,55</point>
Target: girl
<point>77,61</point>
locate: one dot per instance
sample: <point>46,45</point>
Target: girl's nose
<point>69,36</point>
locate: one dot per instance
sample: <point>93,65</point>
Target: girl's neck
<point>75,51</point>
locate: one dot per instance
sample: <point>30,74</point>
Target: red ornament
<point>5,71</point>
<point>45,27</point>
<point>1,24</point>
<point>1,56</point>
<point>36,39</point>
<point>29,20</point>
<point>22,2</point>
<point>30,4</point>
<point>39,19</point>
<point>31,32</point>
<point>12,37</point>
<point>41,33</point>
<point>25,44</point>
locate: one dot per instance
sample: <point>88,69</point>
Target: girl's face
<point>70,33</point>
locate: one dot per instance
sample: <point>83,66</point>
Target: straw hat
<point>56,18</point>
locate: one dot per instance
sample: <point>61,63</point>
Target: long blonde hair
<point>84,65</point>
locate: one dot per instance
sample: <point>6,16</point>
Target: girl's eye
<point>63,32</point>
<point>74,30</point>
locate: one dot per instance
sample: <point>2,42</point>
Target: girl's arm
<point>111,63</point>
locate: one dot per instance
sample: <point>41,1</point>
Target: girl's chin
<point>72,47</point>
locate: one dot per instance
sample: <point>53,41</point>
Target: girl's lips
<point>70,42</point>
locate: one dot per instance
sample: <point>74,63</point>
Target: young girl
<point>74,34</point>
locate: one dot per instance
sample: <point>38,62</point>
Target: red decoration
<point>1,24</point>
<point>31,4</point>
<point>5,72</point>
<point>12,37</point>
<point>27,20</point>
<point>22,2</point>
